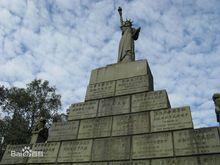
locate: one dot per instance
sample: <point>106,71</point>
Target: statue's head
<point>127,23</point>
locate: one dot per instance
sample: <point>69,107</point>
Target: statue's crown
<point>128,22</point>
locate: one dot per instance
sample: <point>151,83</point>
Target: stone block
<point>152,145</point>
<point>140,162</point>
<point>210,159</point>
<point>176,161</point>
<point>99,163</point>
<point>49,152</point>
<point>96,127</point>
<point>120,163</point>
<point>120,71</point>
<point>131,124</point>
<point>100,90</point>
<point>114,106</point>
<point>75,151</point>
<point>115,148</point>
<point>83,110</point>
<point>63,131</point>
<point>171,119</point>
<point>198,141</point>
<point>150,101</point>
<point>14,154</point>
<point>134,85</point>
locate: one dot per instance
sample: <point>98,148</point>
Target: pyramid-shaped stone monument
<point>123,121</point>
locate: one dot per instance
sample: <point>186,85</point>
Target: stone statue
<point>40,133</point>
<point>129,34</point>
<point>216,99</point>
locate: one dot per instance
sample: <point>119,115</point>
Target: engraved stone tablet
<point>189,142</point>
<point>75,151</point>
<point>152,145</point>
<point>98,163</point>
<point>83,110</point>
<point>171,119</point>
<point>140,162</point>
<point>131,124</point>
<point>100,90</point>
<point>175,161</point>
<point>133,85</point>
<point>96,127</point>
<point>210,159</point>
<point>149,101</point>
<point>134,162</point>
<point>117,148</point>
<point>113,106</point>
<point>120,163</point>
<point>14,155</point>
<point>49,152</point>
<point>63,131</point>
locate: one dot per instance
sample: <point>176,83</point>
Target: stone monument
<point>124,121</point>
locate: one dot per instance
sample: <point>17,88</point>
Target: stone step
<point>145,101</point>
<point>119,87</point>
<point>200,146</point>
<point>124,124</point>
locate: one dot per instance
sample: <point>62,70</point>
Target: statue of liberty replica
<point>129,34</point>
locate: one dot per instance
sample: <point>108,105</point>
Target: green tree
<point>44,102</point>
<point>25,106</point>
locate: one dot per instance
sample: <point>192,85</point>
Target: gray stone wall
<point>123,121</point>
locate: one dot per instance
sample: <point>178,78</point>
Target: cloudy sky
<point>63,40</point>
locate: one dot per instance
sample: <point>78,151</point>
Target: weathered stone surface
<point>134,85</point>
<point>150,101</point>
<point>210,159</point>
<point>75,151</point>
<point>134,162</point>
<point>63,131</point>
<point>100,90</point>
<point>152,145</point>
<point>83,110</point>
<point>113,106</point>
<point>99,163</point>
<point>131,124</point>
<point>13,155</point>
<point>198,141</point>
<point>171,119</point>
<point>96,127</point>
<point>141,162</point>
<point>117,148</point>
<point>176,161</point>
<point>120,163</point>
<point>50,151</point>
<point>120,71</point>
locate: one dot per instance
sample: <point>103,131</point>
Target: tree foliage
<point>24,106</point>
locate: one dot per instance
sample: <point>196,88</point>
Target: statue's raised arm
<point>120,13</point>
<point>129,34</point>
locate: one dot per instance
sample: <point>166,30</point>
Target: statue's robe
<point>216,99</point>
<point>42,135</point>
<point>126,46</point>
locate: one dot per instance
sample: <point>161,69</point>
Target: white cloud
<point>63,40</point>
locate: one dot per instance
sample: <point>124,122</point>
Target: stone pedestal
<point>124,121</point>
